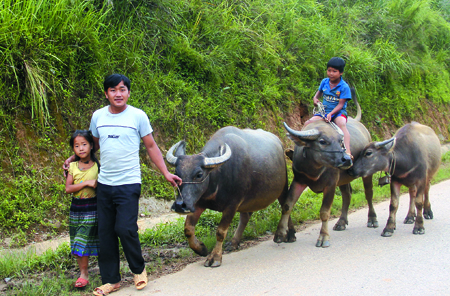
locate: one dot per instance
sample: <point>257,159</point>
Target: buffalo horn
<point>303,135</point>
<point>210,162</point>
<point>379,145</point>
<point>171,159</point>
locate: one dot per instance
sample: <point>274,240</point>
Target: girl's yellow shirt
<point>81,176</point>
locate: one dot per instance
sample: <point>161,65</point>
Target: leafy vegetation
<point>57,264</point>
<point>195,67</point>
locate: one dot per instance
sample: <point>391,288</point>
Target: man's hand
<point>173,179</point>
<point>66,164</point>
<point>329,117</point>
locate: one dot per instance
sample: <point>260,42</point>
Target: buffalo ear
<point>222,150</point>
<point>387,145</point>
<point>175,151</point>
<point>296,139</point>
<point>390,146</point>
<point>181,149</point>
<point>289,153</point>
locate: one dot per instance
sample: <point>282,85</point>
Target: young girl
<point>81,182</point>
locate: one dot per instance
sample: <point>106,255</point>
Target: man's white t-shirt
<point>119,137</point>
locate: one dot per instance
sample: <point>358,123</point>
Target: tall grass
<point>197,66</point>
<point>40,44</point>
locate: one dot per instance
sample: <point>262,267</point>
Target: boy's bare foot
<point>351,158</point>
<point>350,154</point>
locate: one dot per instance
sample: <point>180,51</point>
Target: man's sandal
<point>140,280</point>
<point>105,289</point>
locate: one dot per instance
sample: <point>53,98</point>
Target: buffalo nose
<point>179,207</point>
<point>346,162</point>
<point>351,172</point>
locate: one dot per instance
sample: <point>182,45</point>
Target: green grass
<point>195,67</point>
<point>165,235</point>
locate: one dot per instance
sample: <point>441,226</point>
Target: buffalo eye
<point>322,142</point>
<point>368,153</point>
<point>199,175</point>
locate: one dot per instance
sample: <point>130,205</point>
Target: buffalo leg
<point>346,198</point>
<point>427,212</point>
<point>388,230</point>
<point>325,210</point>
<point>243,220</point>
<point>291,229</point>
<point>372,221</point>
<point>412,208</point>
<point>282,233</point>
<point>215,258</point>
<point>418,226</point>
<point>189,231</point>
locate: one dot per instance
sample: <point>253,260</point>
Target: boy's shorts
<point>334,116</point>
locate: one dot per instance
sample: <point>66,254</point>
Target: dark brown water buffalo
<point>237,171</point>
<point>319,162</point>
<point>411,157</point>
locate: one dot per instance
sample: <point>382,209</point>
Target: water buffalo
<point>237,171</point>
<point>319,162</point>
<point>411,157</point>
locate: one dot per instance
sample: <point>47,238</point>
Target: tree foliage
<point>197,66</point>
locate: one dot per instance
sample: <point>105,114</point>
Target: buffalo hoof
<point>213,261</point>
<point>323,244</point>
<point>372,222</point>
<point>340,225</point>
<point>202,251</point>
<point>280,238</point>
<point>288,237</point>
<point>419,230</point>
<point>230,247</point>
<point>387,232</point>
<point>291,236</point>
<point>428,214</point>
<point>323,241</point>
<point>409,220</point>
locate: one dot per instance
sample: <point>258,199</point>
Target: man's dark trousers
<point>117,208</point>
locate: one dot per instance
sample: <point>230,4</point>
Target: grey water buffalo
<point>319,162</point>
<point>236,171</point>
<point>411,158</point>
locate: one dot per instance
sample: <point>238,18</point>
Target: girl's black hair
<point>88,136</point>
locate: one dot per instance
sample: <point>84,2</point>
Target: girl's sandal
<point>81,283</point>
<point>105,289</point>
<point>140,280</point>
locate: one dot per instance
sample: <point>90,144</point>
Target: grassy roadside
<point>197,66</point>
<point>164,246</point>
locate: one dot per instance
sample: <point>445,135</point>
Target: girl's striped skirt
<point>83,227</point>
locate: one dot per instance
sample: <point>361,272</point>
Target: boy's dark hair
<point>114,79</point>
<point>88,136</point>
<point>336,63</point>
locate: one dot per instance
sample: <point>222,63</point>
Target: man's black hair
<point>336,63</point>
<point>114,79</point>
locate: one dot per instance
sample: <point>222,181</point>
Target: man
<point>117,130</point>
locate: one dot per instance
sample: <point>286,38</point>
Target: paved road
<point>359,261</point>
